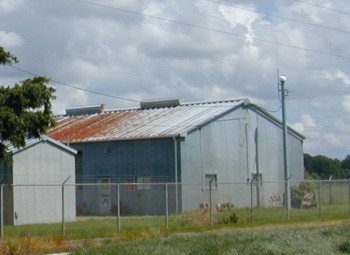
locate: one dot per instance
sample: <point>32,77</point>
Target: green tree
<point>25,109</point>
<point>345,164</point>
<point>6,58</point>
<point>309,163</point>
<point>322,167</point>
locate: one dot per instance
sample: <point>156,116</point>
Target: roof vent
<point>89,109</point>
<point>148,104</point>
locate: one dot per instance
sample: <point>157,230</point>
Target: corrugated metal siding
<point>137,123</point>
<point>44,164</point>
<point>234,147</point>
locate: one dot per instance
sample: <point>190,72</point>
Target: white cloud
<point>306,123</point>
<point>308,120</point>
<point>236,17</point>
<point>346,102</point>
<point>10,39</point>
<point>8,5</point>
<point>333,139</point>
<point>298,126</point>
<point>197,50</point>
<point>337,75</point>
<point>308,11</point>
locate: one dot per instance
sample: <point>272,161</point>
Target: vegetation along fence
<point>251,202</point>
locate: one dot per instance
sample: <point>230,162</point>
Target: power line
<point>323,7</point>
<point>306,100</point>
<point>279,17</point>
<point>328,117</point>
<point>132,100</point>
<point>76,87</point>
<point>291,100</point>
<point>214,30</point>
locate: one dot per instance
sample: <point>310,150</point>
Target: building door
<point>105,191</point>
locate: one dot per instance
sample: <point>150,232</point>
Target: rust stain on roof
<point>138,123</point>
<point>85,127</point>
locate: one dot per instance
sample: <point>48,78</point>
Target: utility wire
<point>291,100</point>
<point>328,117</point>
<point>279,17</point>
<point>127,99</point>
<point>323,7</point>
<point>76,87</point>
<point>214,30</point>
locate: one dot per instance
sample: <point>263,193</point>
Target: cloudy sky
<point>119,52</point>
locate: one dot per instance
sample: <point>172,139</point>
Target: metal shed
<point>167,141</point>
<point>32,186</point>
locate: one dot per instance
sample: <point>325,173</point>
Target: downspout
<point>2,204</point>
<point>176,176</point>
<point>257,167</point>
<point>247,151</point>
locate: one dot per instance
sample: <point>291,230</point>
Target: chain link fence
<point>254,201</point>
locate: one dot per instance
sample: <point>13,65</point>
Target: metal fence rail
<point>62,203</point>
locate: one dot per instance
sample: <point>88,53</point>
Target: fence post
<point>330,191</point>
<point>166,207</point>
<point>2,210</point>
<point>118,209</point>
<point>287,197</point>
<point>251,202</point>
<point>63,220</point>
<point>319,200</point>
<point>210,202</point>
<point>251,198</point>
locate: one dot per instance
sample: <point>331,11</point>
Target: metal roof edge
<point>276,120</point>
<point>59,144</point>
<point>206,122</point>
<point>45,138</point>
<point>244,100</point>
<point>171,136</point>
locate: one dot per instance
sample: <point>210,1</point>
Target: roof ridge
<point>245,100</point>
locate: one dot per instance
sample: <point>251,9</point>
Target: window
<point>211,181</point>
<point>143,182</point>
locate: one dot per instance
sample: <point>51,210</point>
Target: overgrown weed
<point>29,246</point>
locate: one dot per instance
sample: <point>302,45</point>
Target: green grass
<point>149,235</point>
<point>269,241</point>
<point>280,215</point>
<point>103,227</point>
<point>85,228</point>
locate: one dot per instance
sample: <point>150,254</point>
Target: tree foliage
<point>6,58</point>
<point>25,109</point>
<point>323,167</point>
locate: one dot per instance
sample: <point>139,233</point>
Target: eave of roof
<point>275,120</point>
<point>33,141</point>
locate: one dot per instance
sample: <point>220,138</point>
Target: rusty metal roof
<point>139,123</point>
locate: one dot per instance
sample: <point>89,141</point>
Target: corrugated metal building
<point>32,185</point>
<point>229,141</point>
